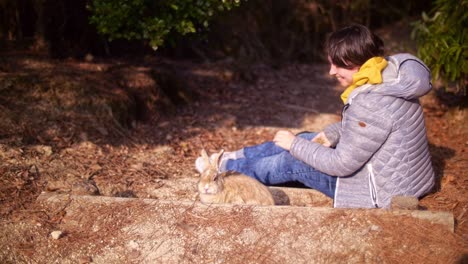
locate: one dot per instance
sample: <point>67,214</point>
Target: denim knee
<point>306,135</point>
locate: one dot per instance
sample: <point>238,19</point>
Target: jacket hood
<point>405,77</point>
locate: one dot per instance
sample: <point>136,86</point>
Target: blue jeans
<point>274,165</point>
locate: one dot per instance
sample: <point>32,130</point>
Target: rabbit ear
<point>204,154</point>
<point>202,163</point>
<point>215,158</point>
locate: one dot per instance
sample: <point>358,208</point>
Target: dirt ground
<point>104,127</point>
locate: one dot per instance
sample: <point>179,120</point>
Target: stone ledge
<point>296,198</point>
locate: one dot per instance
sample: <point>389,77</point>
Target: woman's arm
<point>365,128</point>
<point>333,133</point>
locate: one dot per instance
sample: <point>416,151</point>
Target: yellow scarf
<point>370,72</point>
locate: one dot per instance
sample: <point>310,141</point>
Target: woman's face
<point>343,75</point>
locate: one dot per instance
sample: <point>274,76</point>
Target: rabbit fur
<point>215,187</point>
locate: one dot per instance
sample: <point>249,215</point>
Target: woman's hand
<point>284,139</point>
<point>321,139</point>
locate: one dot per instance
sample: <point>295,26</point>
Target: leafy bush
<point>154,20</point>
<point>441,38</point>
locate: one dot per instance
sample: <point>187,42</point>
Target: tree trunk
<point>39,34</point>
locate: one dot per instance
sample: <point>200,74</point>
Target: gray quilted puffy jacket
<point>379,149</point>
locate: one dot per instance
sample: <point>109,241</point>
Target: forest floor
<point>104,127</point>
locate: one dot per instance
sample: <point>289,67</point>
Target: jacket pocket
<point>372,186</point>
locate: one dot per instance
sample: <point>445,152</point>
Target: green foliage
<point>154,20</point>
<point>441,38</point>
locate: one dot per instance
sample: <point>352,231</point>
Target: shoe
<point>199,164</point>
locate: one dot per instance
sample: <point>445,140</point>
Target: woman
<point>379,150</point>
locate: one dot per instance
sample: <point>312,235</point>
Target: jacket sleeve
<point>365,127</point>
<point>333,133</point>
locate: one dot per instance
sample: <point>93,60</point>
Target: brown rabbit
<point>215,187</point>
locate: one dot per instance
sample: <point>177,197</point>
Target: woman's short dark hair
<point>352,46</point>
